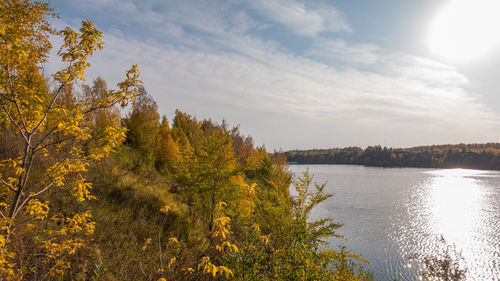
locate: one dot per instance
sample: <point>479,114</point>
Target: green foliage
<point>296,249</point>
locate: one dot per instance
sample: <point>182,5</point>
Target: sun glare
<point>466,29</point>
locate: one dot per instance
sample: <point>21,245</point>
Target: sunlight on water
<point>454,202</point>
<point>454,205</point>
<point>395,217</point>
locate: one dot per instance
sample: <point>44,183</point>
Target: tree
<point>142,124</point>
<point>208,171</point>
<point>167,150</point>
<point>51,128</point>
<point>295,247</point>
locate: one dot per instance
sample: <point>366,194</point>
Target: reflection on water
<point>458,206</point>
<point>454,201</point>
<point>391,215</point>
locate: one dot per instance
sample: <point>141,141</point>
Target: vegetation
<point>469,156</point>
<point>88,195</point>
<point>446,263</point>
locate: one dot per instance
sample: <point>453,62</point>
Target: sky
<point>309,74</point>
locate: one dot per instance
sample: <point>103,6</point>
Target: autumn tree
<point>142,124</point>
<point>206,170</point>
<point>102,118</point>
<point>167,149</point>
<point>51,128</point>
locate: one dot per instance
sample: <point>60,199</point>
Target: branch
<point>140,266</point>
<point>48,272</point>
<point>13,121</point>
<point>11,87</point>
<point>55,168</point>
<point>18,108</point>
<point>5,97</point>
<point>45,176</point>
<point>30,197</point>
<point>52,102</point>
<point>44,137</point>
<point>159,247</point>
<point>100,107</point>
<point>8,185</point>
<point>28,169</point>
<point>57,142</point>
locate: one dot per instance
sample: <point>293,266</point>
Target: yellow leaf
<point>172,260</point>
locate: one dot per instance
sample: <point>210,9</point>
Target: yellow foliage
<point>173,240</point>
<point>221,227</point>
<point>165,209</point>
<point>37,209</point>
<point>79,223</point>
<point>209,268</point>
<point>147,242</point>
<point>265,238</point>
<point>255,227</point>
<point>226,244</point>
<point>53,124</point>
<point>171,262</point>
<point>6,266</point>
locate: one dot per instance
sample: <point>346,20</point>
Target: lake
<point>393,214</point>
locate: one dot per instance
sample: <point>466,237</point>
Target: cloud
<point>303,18</point>
<point>411,91</point>
<point>285,99</point>
<point>339,50</point>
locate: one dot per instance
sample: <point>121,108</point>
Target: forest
<point>467,156</point>
<point>96,185</point>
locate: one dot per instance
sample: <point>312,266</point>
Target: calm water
<point>392,214</point>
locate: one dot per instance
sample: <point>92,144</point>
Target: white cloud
<point>287,100</point>
<point>215,84</point>
<point>304,18</point>
<point>339,50</point>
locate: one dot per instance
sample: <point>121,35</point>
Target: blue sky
<point>299,74</point>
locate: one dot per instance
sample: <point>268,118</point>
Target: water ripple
<point>394,217</point>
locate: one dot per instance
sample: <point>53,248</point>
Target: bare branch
<point>8,185</point>
<point>45,176</point>
<point>13,121</point>
<point>27,169</point>
<point>57,142</point>
<point>5,97</point>
<point>44,137</point>
<point>111,103</point>
<point>18,108</point>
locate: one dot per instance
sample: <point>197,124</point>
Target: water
<point>393,214</point>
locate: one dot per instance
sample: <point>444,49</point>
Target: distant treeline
<point>471,156</point>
